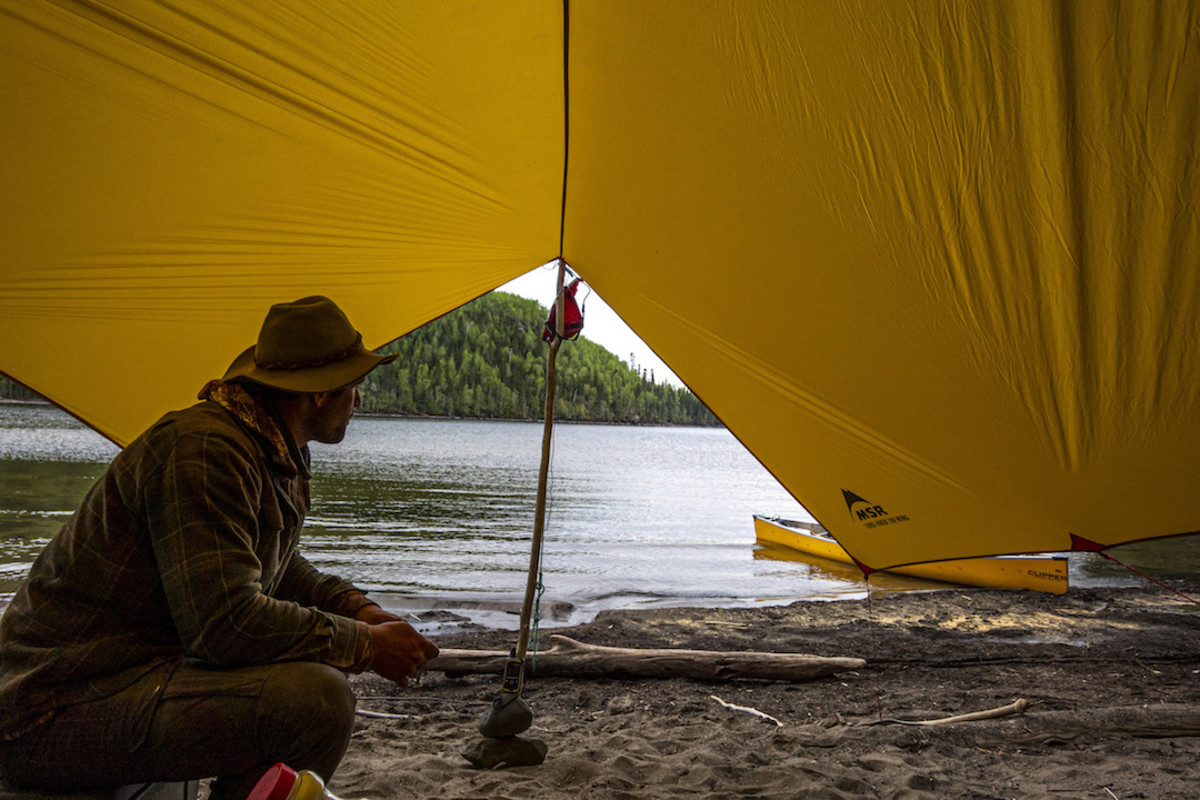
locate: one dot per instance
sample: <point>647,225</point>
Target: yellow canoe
<point>1043,573</point>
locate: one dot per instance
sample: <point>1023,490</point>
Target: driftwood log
<point>1011,724</point>
<point>1156,721</point>
<point>575,659</point>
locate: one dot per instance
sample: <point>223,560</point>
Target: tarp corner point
<point>866,571</point>
<point>1079,543</point>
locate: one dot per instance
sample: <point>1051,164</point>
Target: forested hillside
<point>487,360</point>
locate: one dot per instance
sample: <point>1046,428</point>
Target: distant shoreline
<point>384,415</point>
<point>557,421</point>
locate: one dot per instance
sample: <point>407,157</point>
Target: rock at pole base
<point>506,751</point>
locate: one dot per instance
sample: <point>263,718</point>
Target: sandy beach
<point>1112,678</point>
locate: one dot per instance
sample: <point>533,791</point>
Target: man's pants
<point>229,723</point>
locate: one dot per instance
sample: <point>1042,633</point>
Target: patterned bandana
<point>236,400</point>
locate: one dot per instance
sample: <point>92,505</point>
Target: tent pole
<point>509,714</point>
<point>539,521</point>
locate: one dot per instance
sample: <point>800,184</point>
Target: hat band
<point>311,363</point>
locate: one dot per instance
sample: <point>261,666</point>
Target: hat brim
<point>325,378</point>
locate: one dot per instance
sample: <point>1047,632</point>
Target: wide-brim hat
<point>307,345</point>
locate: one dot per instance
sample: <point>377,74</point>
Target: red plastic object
<point>275,784</point>
<point>572,316</point>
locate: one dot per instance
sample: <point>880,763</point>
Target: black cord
<point>562,221</point>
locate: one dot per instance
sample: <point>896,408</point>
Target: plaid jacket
<point>186,547</point>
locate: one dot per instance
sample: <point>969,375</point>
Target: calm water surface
<point>439,514</point>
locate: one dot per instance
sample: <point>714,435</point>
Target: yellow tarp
<point>935,264</point>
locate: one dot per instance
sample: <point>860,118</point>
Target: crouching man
<point>172,630</point>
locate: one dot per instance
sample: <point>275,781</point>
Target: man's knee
<point>312,694</point>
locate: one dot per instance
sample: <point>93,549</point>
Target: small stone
<point>621,704</point>
<point>507,751</point>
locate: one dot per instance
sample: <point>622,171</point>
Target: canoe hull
<point>1043,573</point>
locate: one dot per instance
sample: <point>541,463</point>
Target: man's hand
<point>372,614</point>
<point>398,652</point>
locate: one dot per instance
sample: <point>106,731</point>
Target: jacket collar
<point>263,422</point>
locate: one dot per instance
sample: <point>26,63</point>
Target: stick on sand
<point>1015,707</point>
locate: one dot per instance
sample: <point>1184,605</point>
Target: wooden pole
<point>539,519</point>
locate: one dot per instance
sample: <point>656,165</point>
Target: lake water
<point>439,514</point>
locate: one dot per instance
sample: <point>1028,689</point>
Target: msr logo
<point>866,510</point>
<point>869,513</point>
